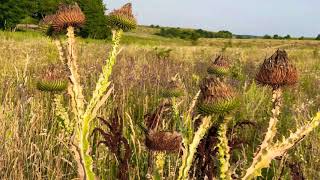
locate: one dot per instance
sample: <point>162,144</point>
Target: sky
<point>245,17</point>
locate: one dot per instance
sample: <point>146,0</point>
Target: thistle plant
<point>70,17</point>
<point>277,72</point>
<point>160,142</point>
<point>54,81</point>
<point>216,99</point>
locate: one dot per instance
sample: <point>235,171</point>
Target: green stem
<point>223,149</point>
<point>192,148</point>
<point>101,88</point>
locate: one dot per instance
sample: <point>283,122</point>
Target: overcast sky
<point>254,17</point>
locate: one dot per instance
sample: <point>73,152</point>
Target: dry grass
<point>32,145</point>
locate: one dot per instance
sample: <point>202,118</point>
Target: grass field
<point>32,145</point>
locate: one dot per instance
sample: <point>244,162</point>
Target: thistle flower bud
<point>175,88</point>
<point>164,141</point>
<point>220,66</point>
<point>276,71</point>
<point>53,79</point>
<point>122,18</point>
<point>216,97</point>
<point>68,15</point>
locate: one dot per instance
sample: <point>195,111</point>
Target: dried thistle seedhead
<point>276,71</point>
<point>175,88</point>
<point>152,120</point>
<point>216,97</point>
<point>68,15</point>
<point>164,141</point>
<point>220,66</point>
<point>122,18</point>
<point>54,78</point>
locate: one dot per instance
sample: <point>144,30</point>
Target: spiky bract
<point>53,79</point>
<point>68,15</point>
<point>52,86</point>
<point>216,97</point>
<point>163,141</point>
<point>276,71</point>
<point>122,18</point>
<point>175,88</point>
<point>220,66</point>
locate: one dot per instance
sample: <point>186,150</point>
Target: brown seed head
<point>222,61</point>
<point>219,66</point>
<point>125,11</point>
<point>216,97</point>
<point>164,141</point>
<point>214,90</point>
<point>122,18</point>
<point>276,71</point>
<point>68,15</point>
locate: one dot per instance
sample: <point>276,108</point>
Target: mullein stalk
<point>192,148</point>
<point>223,149</point>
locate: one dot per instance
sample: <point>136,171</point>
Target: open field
<point>32,145</point>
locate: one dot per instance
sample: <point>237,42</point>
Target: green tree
<point>287,37</point>
<point>96,22</point>
<point>267,36</point>
<point>40,8</point>
<point>11,13</point>
<point>318,37</point>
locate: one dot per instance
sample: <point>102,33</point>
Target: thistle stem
<point>192,148</point>
<point>272,131</point>
<point>90,113</point>
<point>223,149</point>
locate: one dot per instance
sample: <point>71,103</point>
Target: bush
<point>267,36</point>
<point>192,35</point>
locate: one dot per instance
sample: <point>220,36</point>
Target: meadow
<point>33,145</point>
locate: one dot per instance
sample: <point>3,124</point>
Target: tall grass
<point>32,145</point>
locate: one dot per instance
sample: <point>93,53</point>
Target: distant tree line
<point>191,34</point>
<point>13,12</point>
